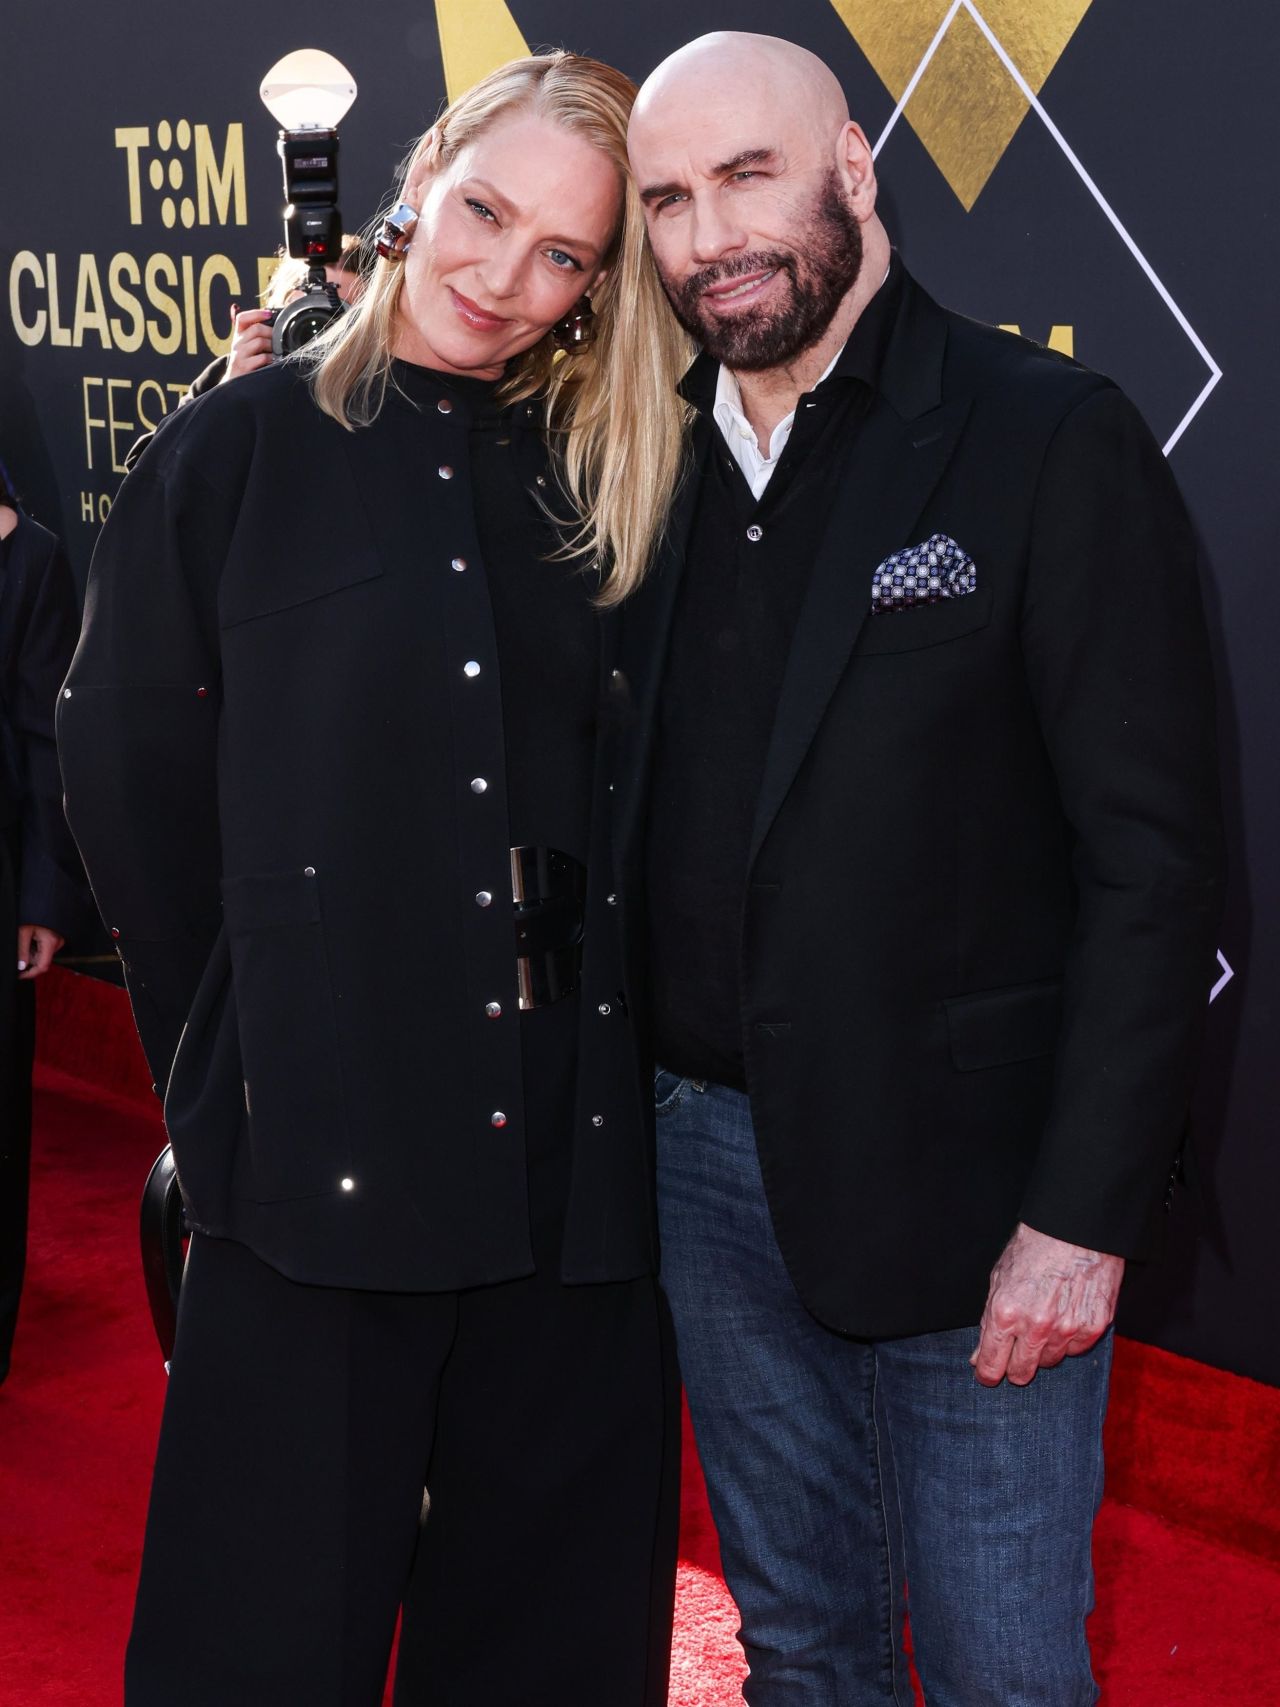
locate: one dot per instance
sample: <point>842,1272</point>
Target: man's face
<point>756,242</point>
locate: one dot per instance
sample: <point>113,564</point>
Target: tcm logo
<point>197,182</point>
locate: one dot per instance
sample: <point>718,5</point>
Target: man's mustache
<point>693,287</point>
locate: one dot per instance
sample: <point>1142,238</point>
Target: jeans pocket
<point>668,1090</point>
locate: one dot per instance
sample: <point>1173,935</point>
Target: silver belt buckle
<point>548,889</point>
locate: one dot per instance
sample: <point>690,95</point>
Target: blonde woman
<point>330,752</point>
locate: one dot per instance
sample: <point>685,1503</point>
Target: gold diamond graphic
<point>476,36</point>
<point>965,108</point>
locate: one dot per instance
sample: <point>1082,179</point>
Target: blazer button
<point>459,563</point>
<point>597,1119</point>
<point>497,1118</point>
<point>483,898</point>
<point>347,1184</point>
<point>493,1009</point>
<point>445,472</point>
<point>755,532</point>
<point>471,669</point>
<point>478,785</point>
<point>604,1008</point>
<point>444,406</point>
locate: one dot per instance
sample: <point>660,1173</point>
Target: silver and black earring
<point>576,330</point>
<point>397,231</point>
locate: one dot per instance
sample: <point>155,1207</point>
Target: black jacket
<point>39,622</point>
<point>269,747</point>
<point>979,929</point>
<point>204,381</point>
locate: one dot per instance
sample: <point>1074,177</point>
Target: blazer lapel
<point>894,464</point>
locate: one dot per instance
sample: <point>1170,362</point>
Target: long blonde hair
<point>612,408</point>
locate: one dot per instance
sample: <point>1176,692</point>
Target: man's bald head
<point>760,73</point>
<point>759,195</point>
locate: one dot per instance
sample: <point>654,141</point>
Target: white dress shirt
<point>740,435</point>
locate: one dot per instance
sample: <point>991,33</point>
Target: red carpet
<point>1186,1615</point>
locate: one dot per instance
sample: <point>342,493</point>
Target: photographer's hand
<point>250,343</point>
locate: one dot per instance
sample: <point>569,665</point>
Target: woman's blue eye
<point>563,261</point>
<point>480,210</point>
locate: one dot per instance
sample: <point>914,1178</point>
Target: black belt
<point>548,889</point>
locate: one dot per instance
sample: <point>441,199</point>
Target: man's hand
<point>36,949</point>
<point>250,343</point>
<point>1048,1300</point>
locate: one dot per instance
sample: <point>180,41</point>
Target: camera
<point>300,321</point>
<point>308,92</point>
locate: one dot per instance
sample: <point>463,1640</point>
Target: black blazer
<point>269,746</point>
<point>985,874</point>
<point>39,622</point>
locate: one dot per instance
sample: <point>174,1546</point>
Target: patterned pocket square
<point>923,574</point>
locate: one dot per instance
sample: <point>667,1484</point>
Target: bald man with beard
<point>919,852</point>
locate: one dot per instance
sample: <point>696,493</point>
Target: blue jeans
<point>837,1468</point>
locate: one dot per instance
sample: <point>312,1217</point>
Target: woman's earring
<point>397,229</point>
<point>576,330</point>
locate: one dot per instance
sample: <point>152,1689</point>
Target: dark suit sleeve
<point>52,891</point>
<point>137,732</point>
<point>1118,662</point>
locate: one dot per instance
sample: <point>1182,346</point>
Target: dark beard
<point>822,269</point>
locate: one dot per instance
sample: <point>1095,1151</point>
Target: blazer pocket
<point>994,1028</point>
<point>260,588</point>
<point>917,626</point>
<point>289,1040</point>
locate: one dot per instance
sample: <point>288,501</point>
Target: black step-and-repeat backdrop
<point>1098,173</point>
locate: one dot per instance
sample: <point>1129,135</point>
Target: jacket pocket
<point>925,625</point>
<point>289,1040</point>
<point>993,1028</point>
<point>257,588</point>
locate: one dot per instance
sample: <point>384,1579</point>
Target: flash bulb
<point>308,90</point>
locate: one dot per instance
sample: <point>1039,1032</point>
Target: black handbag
<point>163,1233</point>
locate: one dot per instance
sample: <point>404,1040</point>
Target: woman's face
<point>513,230</point>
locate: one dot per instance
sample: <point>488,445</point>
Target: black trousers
<point>17,1048</point>
<point>300,1428</point>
